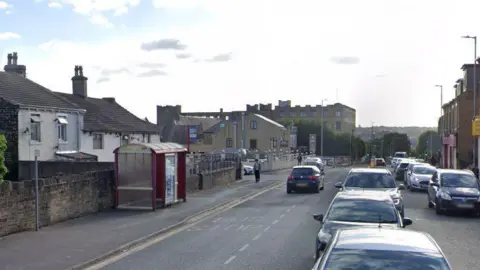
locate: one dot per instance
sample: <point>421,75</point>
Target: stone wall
<point>61,198</point>
<point>9,127</point>
<point>220,177</point>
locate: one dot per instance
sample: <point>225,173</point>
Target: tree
<point>333,144</point>
<point>389,144</point>
<point>3,148</point>
<point>429,141</point>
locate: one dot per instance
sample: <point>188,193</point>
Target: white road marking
<point>229,226</point>
<point>246,227</point>
<point>256,237</point>
<point>282,215</point>
<point>216,220</point>
<point>275,221</point>
<point>266,229</point>
<point>240,228</point>
<point>293,206</point>
<point>214,228</point>
<point>288,210</point>
<point>230,259</point>
<point>244,247</point>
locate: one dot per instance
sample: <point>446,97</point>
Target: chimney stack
<point>12,65</point>
<point>79,83</point>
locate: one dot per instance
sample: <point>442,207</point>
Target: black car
<point>454,190</point>
<point>305,177</point>
<point>402,168</point>
<point>357,208</point>
<point>382,248</point>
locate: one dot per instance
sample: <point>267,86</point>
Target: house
<point>50,125</point>
<point>248,130</point>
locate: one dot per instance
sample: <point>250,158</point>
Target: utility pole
<point>323,123</point>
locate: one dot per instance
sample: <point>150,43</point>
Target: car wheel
<point>317,254</point>
<point>316,189</point>
<point>289,191</point>
<point>438,211</point>
<point>402,213</point>
<point>323,186</point>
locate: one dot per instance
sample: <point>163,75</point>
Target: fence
<point>273,162</point>
<point>203,163</point>
<point>26,169</point>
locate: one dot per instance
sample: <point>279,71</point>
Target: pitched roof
<point>215,128</point>
<point>269,121</point>
<point>205,122</point>
<point>19,90</point>
<point>108,115</point>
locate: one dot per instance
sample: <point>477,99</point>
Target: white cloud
<point>54,5</point>
<point>8,35</point>
<point>280,50</point>
<point>6,7</point>
<point>100,19</point>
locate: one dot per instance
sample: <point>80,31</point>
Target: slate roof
<point>101,115</point>
<point>19,90</point>
<point>107,115</point>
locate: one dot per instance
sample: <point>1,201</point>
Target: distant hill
<point>412,132</point>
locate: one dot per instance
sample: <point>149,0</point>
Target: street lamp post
<point>474,87</point>
<point>441,98</point>
<point>323,123</point>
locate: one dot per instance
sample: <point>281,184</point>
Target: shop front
<point>449,152</point>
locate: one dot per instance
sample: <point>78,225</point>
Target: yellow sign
<point>476,127</point>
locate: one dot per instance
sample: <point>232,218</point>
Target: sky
<point>381,57</point>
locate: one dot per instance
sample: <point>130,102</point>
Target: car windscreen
<point>303,171</point>
<point>370,180</point>
<point>362,210</point>
<point>455,180</point>
<point>403,165</point>
<point>354,259</point>
<point>422,170</point>
<point>400,155</point>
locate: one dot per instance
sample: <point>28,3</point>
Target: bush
<point>3,148</point>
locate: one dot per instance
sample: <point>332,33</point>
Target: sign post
<point>37,218</point>
<point>312,143</point>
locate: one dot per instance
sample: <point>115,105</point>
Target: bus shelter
<point>149,175</point>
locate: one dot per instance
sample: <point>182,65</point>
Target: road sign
<point>36,153</point>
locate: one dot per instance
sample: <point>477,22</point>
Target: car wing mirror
<point>401,187</point>
<point>339,185</point>
<point>433,184</point>
<point>318,217</point>
<point>407,221</point>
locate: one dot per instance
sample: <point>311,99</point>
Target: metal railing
<point>203,163</point>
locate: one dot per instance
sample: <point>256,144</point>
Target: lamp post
<point>474,87</point>
<point>323,123</point>
<point>441,98</point>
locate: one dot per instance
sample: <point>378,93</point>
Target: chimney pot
<point>15,58</point>
<point>79,83</point>
<point>9,59</point>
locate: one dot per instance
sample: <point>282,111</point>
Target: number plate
<point>464,205</point>
<point>302,184</point>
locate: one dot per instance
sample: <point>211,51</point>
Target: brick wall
<point>61,198</point>
<point>9,127</point>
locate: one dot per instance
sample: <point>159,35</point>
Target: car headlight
<point>324,237</point>
<point>445,196</point>
<point>415,179</point>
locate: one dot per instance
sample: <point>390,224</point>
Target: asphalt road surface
<point>277,231</point>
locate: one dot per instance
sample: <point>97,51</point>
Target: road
<point>276,231</point>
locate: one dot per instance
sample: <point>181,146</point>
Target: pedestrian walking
<point>299,158</point>
<point>257,167</point>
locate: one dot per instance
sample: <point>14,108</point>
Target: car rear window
<point>303,171</point>
<point>404,165</point>
<point>370,180</point>
<point>384,260</point>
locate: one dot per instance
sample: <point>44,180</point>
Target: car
<point>452,190</point>
<point>418,177</point>
<point>357,208</point>
<point>374,179</point>
<point>315,161</point>
<point>382,248</point>
<point>247,169</point>
<point>394,163</point>
<point>400,155</point>
<point>305,177</point>
<point>402,168</point>
<point>380,162</point>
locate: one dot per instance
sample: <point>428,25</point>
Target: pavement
<point>77,241</point>
<point>271,231</point>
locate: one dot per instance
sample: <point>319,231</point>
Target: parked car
<point>357,208</point>
<point>374,179</point>
<point>418,177</point>
<point>382,248</point>
<point>247,169</point>
<point>380,162</point>
<point>305,177</point>
<point>454,190</point>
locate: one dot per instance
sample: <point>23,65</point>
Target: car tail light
<point>313,177</point>
<point>290,178</point>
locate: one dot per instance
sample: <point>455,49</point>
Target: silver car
<point>419,176</point>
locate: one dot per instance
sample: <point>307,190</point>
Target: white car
<point>247,169</point>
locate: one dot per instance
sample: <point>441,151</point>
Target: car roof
<point>454,171</point>
<point>368,170</point>
<point>305,166</point>
<point>386,239</point>
<point>421,164</point>
<point>379,158</point>
<point>361,194</point>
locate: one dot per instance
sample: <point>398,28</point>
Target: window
<point>314,113</point>
<point>302,113</point>
<point>457,180</point>
<point>338,113</point>
<point>97,141</point>
<point>362,210</point>
<point>292,114</point>
<point>35,128</point>
<point>274,142</point>
<point>338,125</point>
<point>253,144</point>
<point>229,142</point>
<point>370,180</point>
<point>253,124</point>
<point>282,114</point>
<point>62,128</point>
<point>125,140</point>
